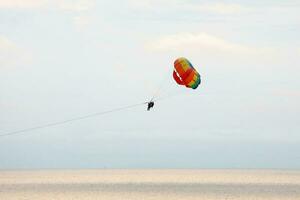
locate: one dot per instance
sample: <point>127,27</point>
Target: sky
<point>62,59</point>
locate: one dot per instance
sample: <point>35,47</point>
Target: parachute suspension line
<point>162,83</point>
<point>70,120</point>
<point>171,95</point>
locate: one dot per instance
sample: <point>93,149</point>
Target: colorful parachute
<point>185,74</point>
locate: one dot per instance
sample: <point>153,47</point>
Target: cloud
<point>290,93</point>
<point>7,50</point>
<point>76,6</point>
<point>21,4</point>
<point>201,42</point>
<point>82,21</point>
<point>212,48</point>
<point>11,54</point>
<point>64,5</point>
<point>6,43</point>
<point>216,8</point>
<point>150,4</point>
<point>219,8</point>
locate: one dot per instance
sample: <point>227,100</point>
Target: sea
<point>150,184</point>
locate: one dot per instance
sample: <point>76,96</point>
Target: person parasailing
<point>150,105</point>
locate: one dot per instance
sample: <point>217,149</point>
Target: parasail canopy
<point>185,74</point>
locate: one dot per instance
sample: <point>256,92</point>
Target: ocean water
<point>150,185</point>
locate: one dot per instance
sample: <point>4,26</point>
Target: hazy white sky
<point>61,59</point>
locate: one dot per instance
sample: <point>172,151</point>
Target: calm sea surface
<point>150,184</point>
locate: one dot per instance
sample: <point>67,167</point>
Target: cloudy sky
<point>62,59</point>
